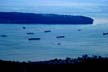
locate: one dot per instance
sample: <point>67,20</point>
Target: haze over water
<point>89,40</point>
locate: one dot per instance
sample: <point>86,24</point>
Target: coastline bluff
<point>34,18</point>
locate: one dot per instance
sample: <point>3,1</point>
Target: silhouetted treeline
<point>69,64</point>
<point>32,18</point>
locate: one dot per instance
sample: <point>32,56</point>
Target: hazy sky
<point>19,5</point>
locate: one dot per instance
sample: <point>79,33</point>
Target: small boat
<point>105,33</point>
<point>58,43</point>
<point>47,31</point>
<point>23,27</point>
<point>60,36</point>
<point>79,29</point>
<point>30,33</point>
<point>3,35</point>
<point>33,38</point>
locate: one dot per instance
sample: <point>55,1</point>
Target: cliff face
<point>31,18</point>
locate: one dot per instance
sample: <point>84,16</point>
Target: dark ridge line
<point>33,18</point>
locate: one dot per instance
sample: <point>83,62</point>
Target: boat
<point>33,38</point>
<point>58,43</point>
<point>23,27</point>
<point>30,33</point>
<point>79,29</point>
<point>60,36</point>
<point>3,35</point>
<point>105,33</point>
<point>47,31</point>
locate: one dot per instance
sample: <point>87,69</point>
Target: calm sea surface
<point>78,40</point>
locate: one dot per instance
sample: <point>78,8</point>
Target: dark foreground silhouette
<point>32,18</point>
<point>69,64</point>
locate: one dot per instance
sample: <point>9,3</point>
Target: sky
<point>53,6</point>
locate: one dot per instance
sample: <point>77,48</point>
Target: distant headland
<point>32,18</point>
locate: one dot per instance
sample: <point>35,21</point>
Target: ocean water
<point>16,46</point>
<point>89,40</point>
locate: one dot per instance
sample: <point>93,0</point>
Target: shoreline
<point>68,60</point>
